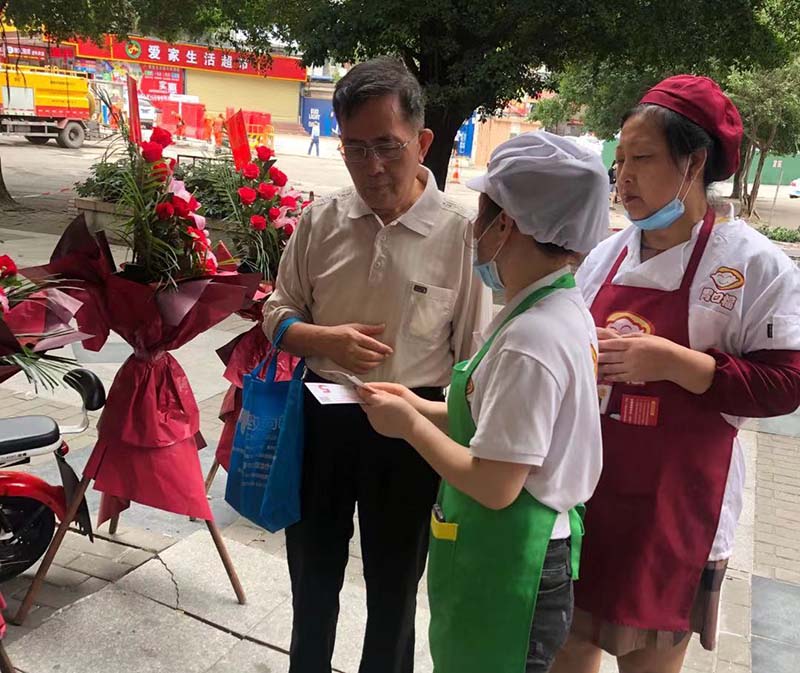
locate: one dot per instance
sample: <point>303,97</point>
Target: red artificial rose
<point>267,191</point>
<point>288,229</point>
<point>160,171</point>
<point>247,195</point>
<point>7,267</point>
<point>152,152</point>
<point>182,208</point>
<point>251,171</point>
<point>194,204</point>
<point>277,176</point>
<point>258,222</point>
<point>161,136</point>
<point>274,213</point>
<point>289,202</point>
<point>200,240</point>
<point>211,265</point>
<point>264,153</point>
<point>165,211</point>
<point>172,164</point>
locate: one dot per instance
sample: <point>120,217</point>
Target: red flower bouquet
<point>170,292</point>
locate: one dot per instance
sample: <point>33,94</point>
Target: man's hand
<point>354,346</point>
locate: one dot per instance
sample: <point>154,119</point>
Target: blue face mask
<point>667,215</point>
<point>488,271</point>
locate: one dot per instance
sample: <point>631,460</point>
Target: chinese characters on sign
<point>144,51</point>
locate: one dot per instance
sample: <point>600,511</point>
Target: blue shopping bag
<point>267,456</point>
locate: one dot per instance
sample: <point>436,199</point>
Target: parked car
<point>794,191</point>
<point>147,112</point>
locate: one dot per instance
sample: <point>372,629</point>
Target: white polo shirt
<point>535,398</point>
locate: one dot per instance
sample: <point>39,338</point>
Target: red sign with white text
<point>158,82</point>
<point>155,52</point>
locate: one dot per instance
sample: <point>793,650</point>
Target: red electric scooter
<point>29,506</point>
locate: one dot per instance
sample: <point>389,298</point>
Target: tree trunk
<point>444,122</point>
<point>736,192</point>
<point>745,195</point>
<point>751,200</point>
<point>6,200</point>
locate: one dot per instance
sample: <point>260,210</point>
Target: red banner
<point>240,145</point>
<point>134,122</point>
<point>193,56</point>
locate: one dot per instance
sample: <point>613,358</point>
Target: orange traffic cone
<point>456,177</point>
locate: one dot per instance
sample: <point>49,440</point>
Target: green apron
<point>485,565</point>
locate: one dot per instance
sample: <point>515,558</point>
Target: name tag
<point>639,410</point>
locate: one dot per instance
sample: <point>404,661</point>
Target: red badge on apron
<point>652,520</point>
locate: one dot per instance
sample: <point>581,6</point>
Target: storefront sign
<point>159,83</point>
<point>35,52</point>
<point>144,50</point>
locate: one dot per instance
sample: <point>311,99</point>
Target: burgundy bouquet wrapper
<point>149,431</point>
<point>40,322</point>
<point>8,345</point>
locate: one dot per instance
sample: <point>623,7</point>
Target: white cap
<point>554,189</point>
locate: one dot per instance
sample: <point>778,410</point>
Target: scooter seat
<point>27,433</point>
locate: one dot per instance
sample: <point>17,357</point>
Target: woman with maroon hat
<point>699,328</point>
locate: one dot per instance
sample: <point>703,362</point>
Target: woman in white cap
<point>699,325</point>
<point>523,450</point>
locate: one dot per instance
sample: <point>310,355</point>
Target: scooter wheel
<point>26,528</point>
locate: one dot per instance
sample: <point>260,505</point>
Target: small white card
<point>333,393</point>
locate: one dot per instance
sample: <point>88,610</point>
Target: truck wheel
<point>71,136</point>
<point>37,140</point>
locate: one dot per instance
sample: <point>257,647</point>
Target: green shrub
<point>781,234</point>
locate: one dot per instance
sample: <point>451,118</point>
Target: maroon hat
<point>700,100</point>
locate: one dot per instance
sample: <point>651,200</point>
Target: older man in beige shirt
<point>378,281</point>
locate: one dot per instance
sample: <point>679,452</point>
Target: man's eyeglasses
<point>385,152</point>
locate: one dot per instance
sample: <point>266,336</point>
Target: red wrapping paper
<point>41,322</point>
<point>149,431</point>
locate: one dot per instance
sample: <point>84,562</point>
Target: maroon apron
<point>651,522</point>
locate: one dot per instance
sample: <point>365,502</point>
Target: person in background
<point>612,182</point>
<point>180,127</point>
<point>208,130</point>
<point>524,448</point>
<point>699,328</point>
<point>314,138</point>
<point>219,129</point>
<point>377,281</point>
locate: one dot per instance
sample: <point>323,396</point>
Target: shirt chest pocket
<point>429,312</point>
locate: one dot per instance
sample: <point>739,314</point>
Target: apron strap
<point>699,249</point>
<point>567,281</point>
<point>576,530</point>
<point>612,274</point>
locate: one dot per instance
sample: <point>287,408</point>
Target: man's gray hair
<point>383,76</point>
